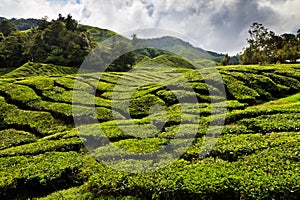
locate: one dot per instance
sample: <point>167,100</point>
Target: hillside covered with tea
<point>256,156</point>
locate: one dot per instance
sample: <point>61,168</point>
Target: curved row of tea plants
<point>256,157</point>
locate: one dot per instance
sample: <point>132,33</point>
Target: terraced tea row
<point>138,115</point>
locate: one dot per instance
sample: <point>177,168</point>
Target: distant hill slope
<point>176,61</point>
<point>99,34</point>
<point>183,48</point>
<point>39,69</point>
<point>176,44</point>
<point>23,24</point>
<point>167,42</point>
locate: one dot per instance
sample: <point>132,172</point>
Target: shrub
<point>12,137</point>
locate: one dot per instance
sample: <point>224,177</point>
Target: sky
<point>217,25</point>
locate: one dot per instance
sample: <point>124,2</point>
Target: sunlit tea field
<point>43,156</point>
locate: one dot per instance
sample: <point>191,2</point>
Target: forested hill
<point>184,48</point>
<point>23,24</point>
<point>65,42</point>
<point>62,42</point>
<point>266,47</point>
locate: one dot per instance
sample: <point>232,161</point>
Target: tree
<point>43,24</point>
<point>258,34</point>
<point>135,40</point>
<point>267,47</point>
<point>11,49</point>
<point>225,60</point>
<point>71,24</point>
<point>1,37</point>
<point>36,48</point>
<point>60,42</point>
<point>276,45</point>
<point>290,47</point>
<point>60,18</point>
<point>6,27</point>
<point>261,42</point>
<point>125,61</point>
<point>255,52</point>
<point>54,33</point>
<point>12,43</point>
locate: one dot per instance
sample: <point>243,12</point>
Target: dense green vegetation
<point>23,24</point>
<point>156,119</point>
<point>256,156</point>
<point>39,69</point>
<point>65,42</point>
<point>183,48</point>
<point>61,42</point>
<point>267,47</point>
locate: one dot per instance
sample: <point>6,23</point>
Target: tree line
<point>61,41</point>
<point>64,42</point>
<point>265,47</point>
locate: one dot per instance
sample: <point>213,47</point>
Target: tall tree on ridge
<point>6,27</point>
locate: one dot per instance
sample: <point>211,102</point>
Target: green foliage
<point>23,24</point>
<point>139,107</point>
<point>141,146</point>
<point>289,82</point>
<point>19,93</point>
<point>58,94</point>
<point>125,61</point>
<point>6,27</point>
<point>253,84</point>
<point>239,91</point>
<point>38,83</point>
<point>12,137</point>
<point>264,109</point>
<point>40,123</point>
<point>225,60</point>
<point>205,63</point>
<point>231,147</point>
<point>12,48</point>
<point>255,157</point>
<point>185,49</point>
<point>61,42</point>
<point>173,61</point>
<point>105,114</point>
<point>38,69</point>
<point>276,122</point>
<point>42,146</point>
<point>290,99</point>
<point>210,178</point>
<point>266,47</point>
<point>6,70</point>
<point>69,194</point>
<point>98,33</point>
<point>40,172</point>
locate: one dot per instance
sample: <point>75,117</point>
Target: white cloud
<point>289,14</point>
<point>37,8</point>
<point>219,25</point>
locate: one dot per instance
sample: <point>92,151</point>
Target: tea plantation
<point>51,147</point>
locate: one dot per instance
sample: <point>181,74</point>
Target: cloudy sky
<point>218,25</point>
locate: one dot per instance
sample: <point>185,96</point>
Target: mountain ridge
<point>171,43</point>
<point>183,48</point>
<point>167,43</point>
